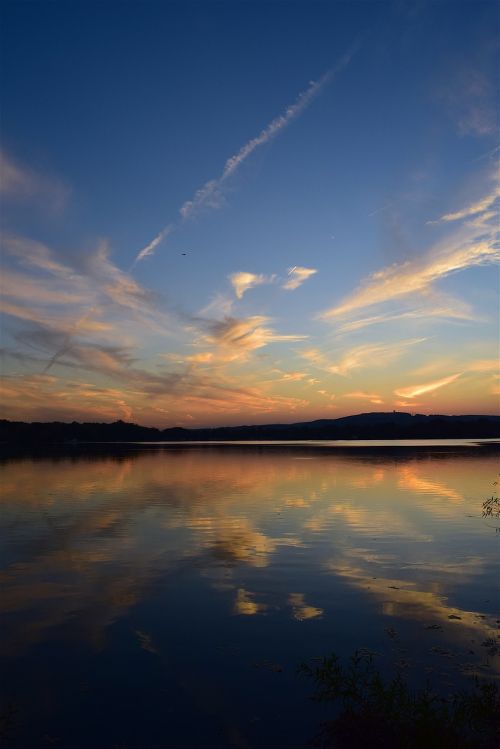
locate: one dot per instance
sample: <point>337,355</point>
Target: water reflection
<point>253,544</point>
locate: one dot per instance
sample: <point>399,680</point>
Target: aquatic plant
<point>491,507</point>
<point>371,711</point>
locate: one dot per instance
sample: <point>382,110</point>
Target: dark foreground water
<point>163,597</point>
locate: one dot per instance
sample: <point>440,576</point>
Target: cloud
<point>479,206</point>
<point>417,276</point>
<point>204,357</point>
<point>219,305</point>
<point>238,336</point>
<point>31,253</point>
<point>464,363</point>
<point>89,316</point>
<point>119,287</point>
<point>211,194</point>
<point>151,247</point>
<point>294,376</point>
<point>15,180</point>
<point>90,356</point>
<point>18,182</point>
<point>360,357</point>
<point>242,281</point>
<point>30,290</point>
<point>297,276</point>
<point>469,95</point>
<point>59,323</point>
<point>372,397</point>
<point>93,275</point>
<point>455,310</point>
<point>472,244</point>
<point>89,297</point>
<point>414,390</point>
<point>149,395</point>
<point>483,365</point>
<point>45,398</point>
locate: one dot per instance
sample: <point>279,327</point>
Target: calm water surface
<point>163,597</point>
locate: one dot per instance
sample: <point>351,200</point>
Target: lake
<point>163,596</point>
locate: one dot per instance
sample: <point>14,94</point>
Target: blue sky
<point>343,261</point>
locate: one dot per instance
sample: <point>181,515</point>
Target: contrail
<point>210,195</point>
<point>151,247</point>
<point>66,346</point>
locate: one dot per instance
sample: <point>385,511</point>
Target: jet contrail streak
<point>210,195</point>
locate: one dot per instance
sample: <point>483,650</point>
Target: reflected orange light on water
<point>107,532</point>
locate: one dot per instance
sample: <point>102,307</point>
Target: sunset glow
<point>257,215</point>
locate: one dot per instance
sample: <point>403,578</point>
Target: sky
<point>249,212</point>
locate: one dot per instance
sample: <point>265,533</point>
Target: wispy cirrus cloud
<point>90,297</point>
<point>221,305</point>
<point>134,392</point>
<point>413,391</point>
<point>28,289</point>
<point>58,322</point>
<point>469,368</point>
<point>44,398</point>
<point>117,285</point>
<point>296,277</point>
<point>469,95</point>
<point>243,281</point>
<point>211,194</point>
<point>91,276</point>
<point>472,244</point>
<point>483,365</point>
<point>474,208</point>
<point>360,357</point>
<point>18,182</point>
<point>417,277</point>
<point>457,309</point>
<point>103,358</point>
<point>359,394</point>
<point>294,376</point>
<point>238,336</point>
<point>89,316</point>
<point>460,361</point>
<point>31,253</point>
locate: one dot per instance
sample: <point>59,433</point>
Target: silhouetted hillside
<point>391,425</point>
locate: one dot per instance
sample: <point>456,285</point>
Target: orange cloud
<point>428,387</point>
<point>297,275</point>
<point>359,357</point>
<point>372,397</point>
<point>473,244</point>
<point>479,206</point>
<point>239,336</point>
<point>243,281</point>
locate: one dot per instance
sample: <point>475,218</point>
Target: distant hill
<point>392,425</point>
